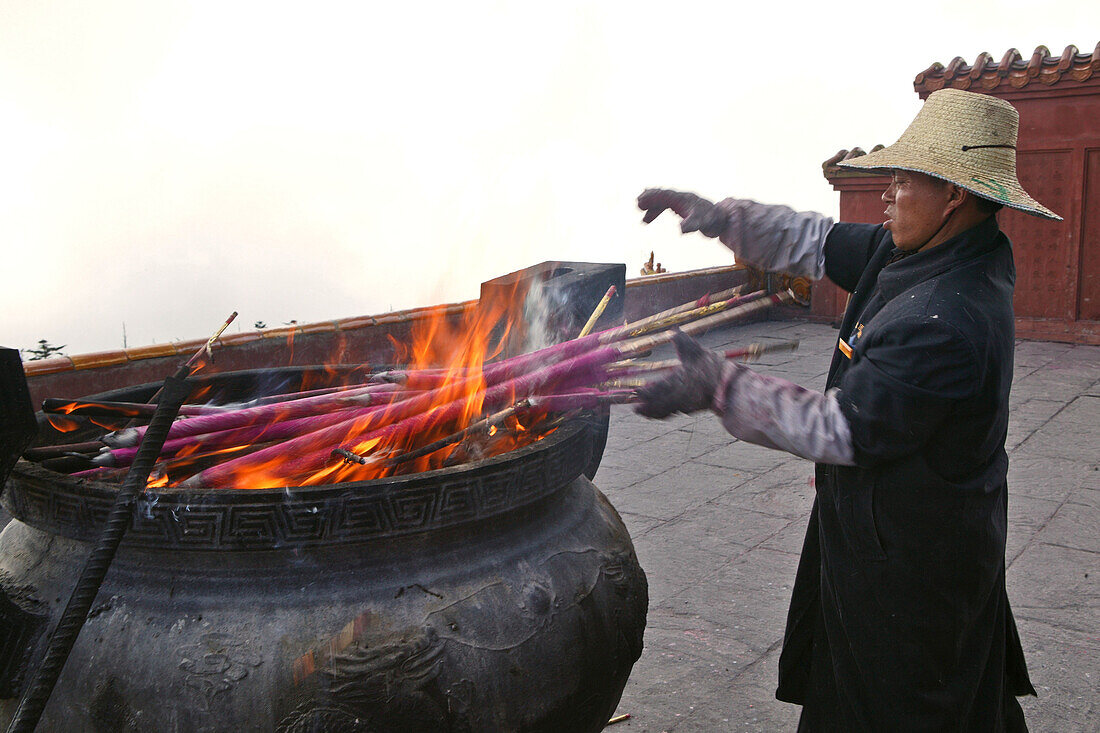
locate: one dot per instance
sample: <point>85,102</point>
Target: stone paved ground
<point>718,526</point>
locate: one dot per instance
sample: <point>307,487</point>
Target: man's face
<point>916,207</point>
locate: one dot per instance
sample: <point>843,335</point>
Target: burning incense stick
<point>372,395</point>
<point>598,312</point>
<point>260,432</point>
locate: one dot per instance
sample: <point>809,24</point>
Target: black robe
<point>899,618</point>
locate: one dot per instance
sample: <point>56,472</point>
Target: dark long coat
<point>899,618</point>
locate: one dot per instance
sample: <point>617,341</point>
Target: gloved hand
<point>769,237</point>
<point>690,387</point>
<point>697,213</point>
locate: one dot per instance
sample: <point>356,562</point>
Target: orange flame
<point>62,424</point>
<point>451,351</point>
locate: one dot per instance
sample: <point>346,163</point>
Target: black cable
<point>37,694</point>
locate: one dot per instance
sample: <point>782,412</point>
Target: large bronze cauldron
<point>498,596</point>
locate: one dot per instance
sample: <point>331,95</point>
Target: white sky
<point>165,163</point>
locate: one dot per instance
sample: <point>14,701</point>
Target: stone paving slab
<point>718,525</point>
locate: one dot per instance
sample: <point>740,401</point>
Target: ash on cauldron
<point>502,594</point>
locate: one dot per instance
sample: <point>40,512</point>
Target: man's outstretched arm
<point>753,407</point>
<point>769,237</point>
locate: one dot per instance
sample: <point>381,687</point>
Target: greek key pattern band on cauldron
<point>305,516</point>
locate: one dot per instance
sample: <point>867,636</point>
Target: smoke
<point>542,312</point>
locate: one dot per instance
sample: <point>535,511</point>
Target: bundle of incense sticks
<point>410,419</point>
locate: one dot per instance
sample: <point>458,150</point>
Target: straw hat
<point>966,138</point>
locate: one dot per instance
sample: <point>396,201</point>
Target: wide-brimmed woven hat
<point>966,138</point>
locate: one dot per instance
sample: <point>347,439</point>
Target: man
<point>899,618</point>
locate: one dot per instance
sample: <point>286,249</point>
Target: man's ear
<point>957,198</point>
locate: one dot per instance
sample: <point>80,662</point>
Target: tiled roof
<point>1013,71</point>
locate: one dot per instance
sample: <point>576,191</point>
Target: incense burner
<point>499,595</point>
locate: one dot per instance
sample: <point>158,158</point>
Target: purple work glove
<point>690,387</point>
<point>697,213</point>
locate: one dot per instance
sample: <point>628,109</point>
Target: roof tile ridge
<point>1013,70</point>
<point>1011,61</point>
<point>984,59</point>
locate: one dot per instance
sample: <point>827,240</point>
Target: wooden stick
<point>582,400</point>
<point>692,314</point>
<point>747,353</point>
<point>676,310</point>
<point>208,347</point>
<point>598,311</point>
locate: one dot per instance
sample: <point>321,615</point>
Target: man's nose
<point>888,194</point>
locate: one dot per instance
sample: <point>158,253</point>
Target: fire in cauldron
<point>426,553</point>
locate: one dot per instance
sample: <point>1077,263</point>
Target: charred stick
<point>68,463</point>
<point>94,408</point>
<point>41,453</point>
<point>349,457</point>
<point>480,426</point>
<point>481,443</point>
